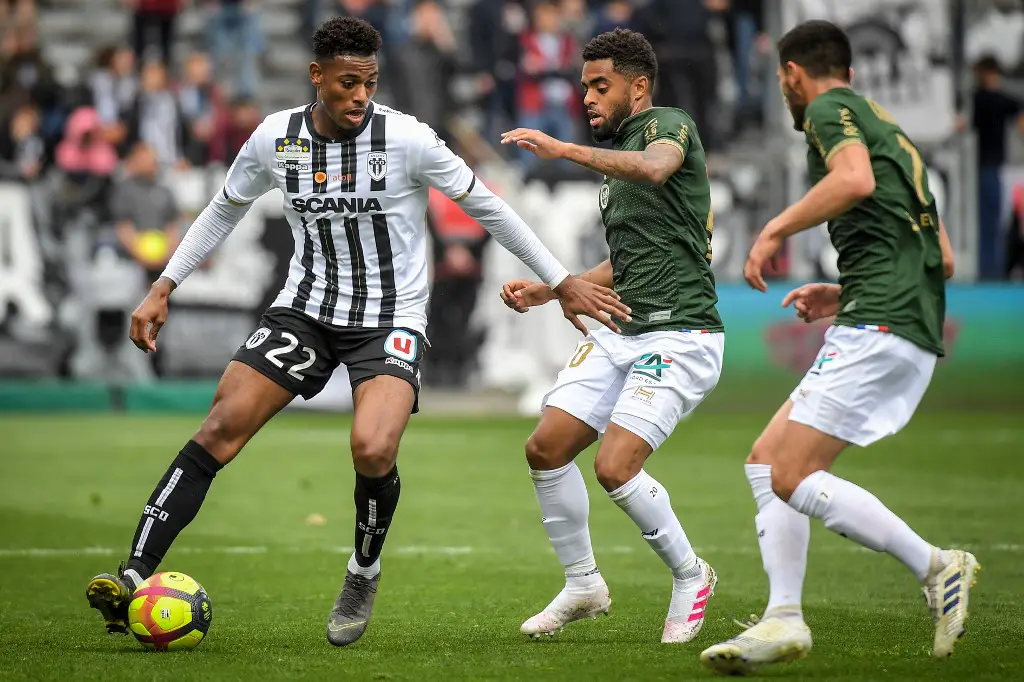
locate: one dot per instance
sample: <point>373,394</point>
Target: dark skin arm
<point>654,165</point>
<point>522,294</point>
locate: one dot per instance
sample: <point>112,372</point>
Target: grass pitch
<point>467,559</point>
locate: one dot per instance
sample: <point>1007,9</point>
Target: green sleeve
<point>670,126</point>
<point>829,126</point>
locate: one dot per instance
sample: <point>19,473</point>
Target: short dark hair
<point>631,53</point>
<point>988,64</point>
<point>820,47</point>
<point>345,35</point>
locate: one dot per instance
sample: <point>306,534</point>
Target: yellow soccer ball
<point>153,246</point>
<point>170,612</point>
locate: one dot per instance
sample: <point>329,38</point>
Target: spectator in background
<point>22,150</point>
<point>577,20</point>
<point>547,97</point>
<point>458,244</point>
<point>154,18</point>
<point>234,128</point>
<point>994,111</point>
<point>88,161</point>
<point>17,12</point>
<point>113,83</point>
<point>615,14</point>
<point>427,61</point>
<point>234,35</point>
<point>145,213</point>
<point>201,105</point>
<point>687,71</point>
<point>26,75</point>
<point>746,19</point>
<point>494,29</point>
<point>154,117</point>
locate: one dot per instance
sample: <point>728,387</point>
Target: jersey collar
<point>345,138</point>
<point>631,122</point>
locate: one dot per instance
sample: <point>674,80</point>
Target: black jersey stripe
<point>348,166</point>
<point>306,285</point>
<point>378,143</point>
<point>292,174</point>
<point>357,310</point>
<point>330,302</point>
<point>319,167</point>
<point>386,263</point>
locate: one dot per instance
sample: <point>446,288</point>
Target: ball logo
<point>603,197</point>
<point>165,614</point>
<point>258,337</point>
<point>402,345</point>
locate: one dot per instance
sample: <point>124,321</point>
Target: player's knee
<point>373,454</point>
<point>612,474</point>
<point>760,453</point>
<point>544,453</point>
<point>785,479</point>
<point>221,436</point>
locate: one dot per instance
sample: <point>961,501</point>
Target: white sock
<point>646,502</point>
<point>562,495</point>
<point>365,571</point>
<point>855,513</point>
<point>783,535</point>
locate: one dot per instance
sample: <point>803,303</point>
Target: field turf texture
<point>467,559</point>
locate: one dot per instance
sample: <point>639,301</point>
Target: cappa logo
<point>336,205</point>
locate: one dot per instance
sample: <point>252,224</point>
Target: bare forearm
<point>602,275</point>
<point>649,166</point>
<point>829,198</point>
<point>948,261</point>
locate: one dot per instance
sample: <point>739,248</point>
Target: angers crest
<point>377,165</point>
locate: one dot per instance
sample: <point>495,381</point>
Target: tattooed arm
<point>654,165</point>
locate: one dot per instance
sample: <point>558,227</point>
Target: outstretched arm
<point>654,165</point>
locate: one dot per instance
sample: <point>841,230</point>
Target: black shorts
<point>300,353</point>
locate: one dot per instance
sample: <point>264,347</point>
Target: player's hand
<point>763,250</point>
<point>580,297</point>
<point>814,301</point>
<point>522,294</point>
<point>544,146</point>
<point>150,316</point>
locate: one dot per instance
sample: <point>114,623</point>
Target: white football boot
<point>574,602</point>
<point>946,589</point>
<point>772,640</point>
<point>690,604</point>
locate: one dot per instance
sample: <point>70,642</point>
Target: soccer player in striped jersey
<point>878,358</point>
<point>356,177</point>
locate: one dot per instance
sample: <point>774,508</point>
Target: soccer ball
<point>169,612</point>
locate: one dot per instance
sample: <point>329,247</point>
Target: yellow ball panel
<point>189,641</point>
<point>170,613</point>
<point>138,628</point>
<point>177,581</point>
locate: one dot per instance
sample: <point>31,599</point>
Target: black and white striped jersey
<point>357,210</point>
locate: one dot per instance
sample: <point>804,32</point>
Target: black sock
<point>376,501</point>
<point>172,506</point>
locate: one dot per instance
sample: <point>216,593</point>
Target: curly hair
<point>345,35</point>
<point>630,52</point>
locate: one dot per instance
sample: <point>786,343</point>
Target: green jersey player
<point>636,385</point>
<point>870,184</point>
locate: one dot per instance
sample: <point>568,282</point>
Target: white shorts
<point>864,385</point>
<point>644,383</point>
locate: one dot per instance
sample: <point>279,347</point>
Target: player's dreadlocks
<point>820,47</point>
<point>631,54</point>
<point>345,36</point>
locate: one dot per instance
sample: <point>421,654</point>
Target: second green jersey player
<point>634,386</point>
<point>870,185</point>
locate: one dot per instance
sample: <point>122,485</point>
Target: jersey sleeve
<point>436,165</point>
<point>829,126</point>
<point>671,127</point>
<point>249,177</point>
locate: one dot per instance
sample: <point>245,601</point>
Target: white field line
<point>421,550</point>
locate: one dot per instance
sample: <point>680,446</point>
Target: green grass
<point>467,559</point>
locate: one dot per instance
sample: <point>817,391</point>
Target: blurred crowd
<point>99,152</point>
